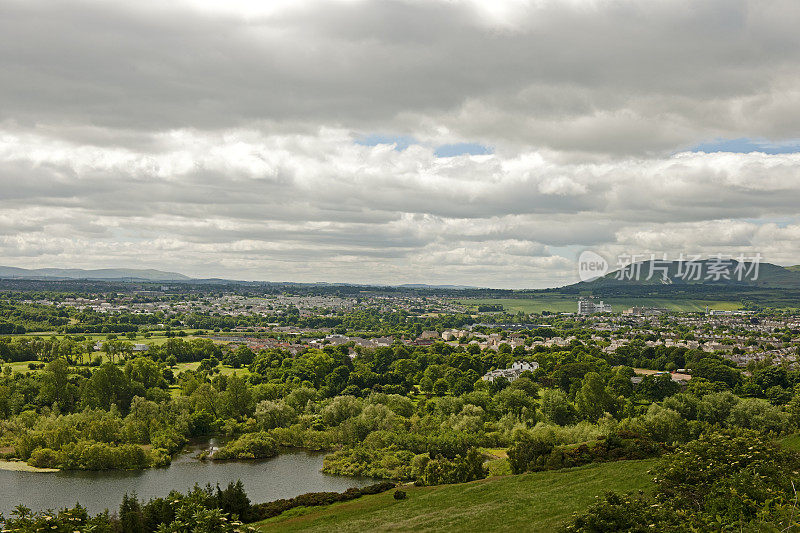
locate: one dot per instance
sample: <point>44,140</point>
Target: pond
<point>285,476</point>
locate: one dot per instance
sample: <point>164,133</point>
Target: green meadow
<point>540,501</point>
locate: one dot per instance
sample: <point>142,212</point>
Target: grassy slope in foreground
<point>541,501</point>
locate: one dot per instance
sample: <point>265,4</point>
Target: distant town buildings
<point>338,340</point>
<point>591,306</point>
<point>681,376</point>
<point>511,374</point>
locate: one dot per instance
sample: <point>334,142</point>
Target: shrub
<point>531,454</point>
<point>615,512</point>
<point>757,414</point>
<point>729,481</point>
<point>91,455</point>
<point>528,453</point>
<point>248,446</point>
<point>44,458</point>
<point>263,511</point>
<point>400,495</point>
<point>387,463</point>
<point>440,471</point>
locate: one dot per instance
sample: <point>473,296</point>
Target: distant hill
<point>707,272</point>
<point>102,274</point>
<point>426,286</point>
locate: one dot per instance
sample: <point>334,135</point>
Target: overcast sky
<point>432,141</point>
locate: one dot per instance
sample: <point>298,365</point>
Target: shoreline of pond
<point>285,476</point>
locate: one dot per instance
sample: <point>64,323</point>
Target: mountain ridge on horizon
<point>96,274</point>
<point>153,275</point>
<point>770,275</point>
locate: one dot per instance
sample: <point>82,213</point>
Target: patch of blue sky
<point>453,150</point>
<point>400,142</point>
<point>781,222</point>
<point>745,146</point>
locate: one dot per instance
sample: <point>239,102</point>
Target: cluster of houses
<point>511,374</point>
<point>681,376</point>
<point>337,340</point>
<point>146,302</point>
<point>140,348</point>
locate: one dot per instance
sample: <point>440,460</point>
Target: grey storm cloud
<point>220,139</point>
<point>624,76</point>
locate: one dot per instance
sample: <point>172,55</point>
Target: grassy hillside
<point>761,275</point>
<point>540,501</point>
<point>792,442</point>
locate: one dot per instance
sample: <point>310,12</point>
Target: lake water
<point>288,475</point>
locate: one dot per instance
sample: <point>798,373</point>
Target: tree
<point>234,501</point>
<point>106,387</point>
<point>793,410</point>
<point>769,377</point>
<point>556,407</point>
<point>130,515</point>
<point>340,409</point>
<point>656,388</point>
<point>715,370</point>
<point>242,356</point>
<point>757,414</point>
<point>441,470</point>
<point>275,414</point>
<point>528,452</point>
<point>206,398</point>
<point>665,425</point>
<point>440,387</point>
<point>55,386</point>
<point>620,385</point>
<point>592,400</point>
<point>513,401</point>
<point>145,371</point>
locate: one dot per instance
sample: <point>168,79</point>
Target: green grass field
<point>155,338</point>
<point>561,304</point>
<point>22,366</point>
<point>541,501</point>
<point>792,442</point>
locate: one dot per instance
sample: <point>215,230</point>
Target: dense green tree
<point>592,399</point>
<point>107,386</point>
<point>556,407</point>
<point>237,399</point>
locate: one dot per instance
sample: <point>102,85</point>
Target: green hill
<point>540,501</point>
<point>728,273</point>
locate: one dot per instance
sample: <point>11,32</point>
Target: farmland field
<point>563,304</point>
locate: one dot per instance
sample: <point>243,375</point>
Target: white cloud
<point>219,138</point>
<point>315,207</point>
